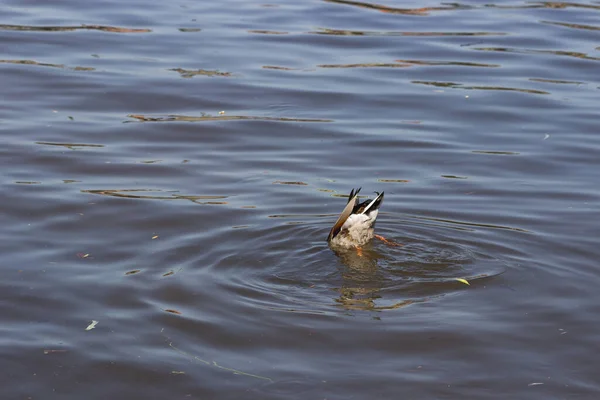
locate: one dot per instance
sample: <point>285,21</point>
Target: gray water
<point>172,170</point>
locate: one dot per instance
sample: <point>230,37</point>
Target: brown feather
<point>352,203</point>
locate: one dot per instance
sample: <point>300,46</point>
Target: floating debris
<point>92,325</point>
<point>461,280</point>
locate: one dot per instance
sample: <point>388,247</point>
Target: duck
<point>355,225</point>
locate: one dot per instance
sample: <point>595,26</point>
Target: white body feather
<point>356,231</point>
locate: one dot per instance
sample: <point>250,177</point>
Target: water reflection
<point>345,32</point>
<point>557,81</point>
<point>545,4</point>
<point>573,26</point>
<point>130,194</point>
<point>366,276</point>
<point>537,51</point>
<point>425,267</point>
<point>276,67</point>
<point>267,32</point>
<point>239,295</point>
<point>208,117</point>
<point>457,63</point>
<point>362,279</point>
<point>103,28</point>
<point>364,65</point>
<point>454,85</point>
<point>189,73</point>
<point>406,11</point>
<point>41,64</point>
<point>71,146</point>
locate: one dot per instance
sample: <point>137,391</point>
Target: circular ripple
<point>290,267</point>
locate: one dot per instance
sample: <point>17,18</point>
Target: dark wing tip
<point>353,192</point>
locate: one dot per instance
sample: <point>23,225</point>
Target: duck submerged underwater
<point>355,225</point>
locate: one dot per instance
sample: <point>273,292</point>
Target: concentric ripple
<point>291,268</point>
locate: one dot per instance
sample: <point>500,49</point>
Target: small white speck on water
<point>92,325</point>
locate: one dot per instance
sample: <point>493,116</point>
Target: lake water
<point>170,172</point>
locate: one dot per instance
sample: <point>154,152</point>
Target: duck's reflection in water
<point>362,280</point>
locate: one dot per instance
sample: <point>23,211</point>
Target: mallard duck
<point>354,227</point>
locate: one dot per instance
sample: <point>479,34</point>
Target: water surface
<point>171,171</point>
